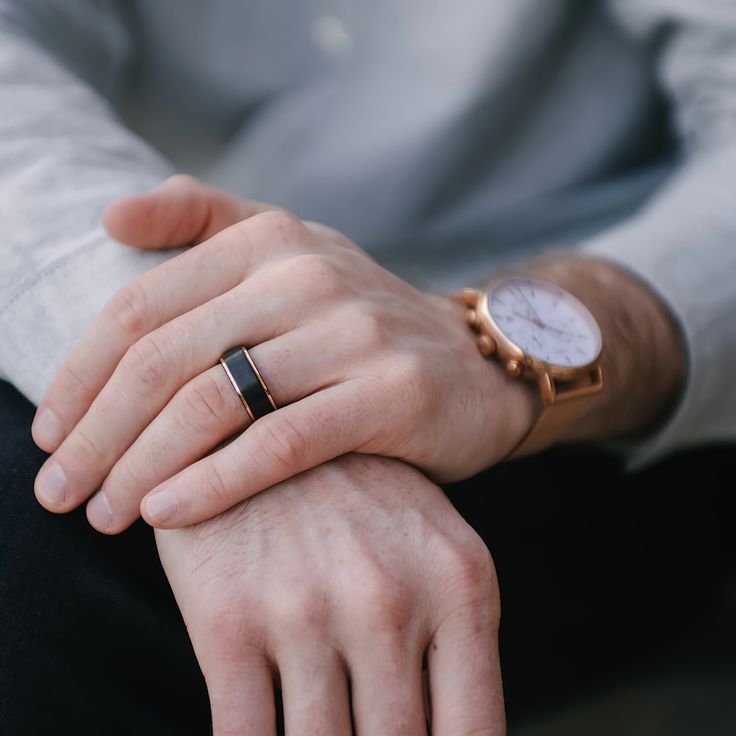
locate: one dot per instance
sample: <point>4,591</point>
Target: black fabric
<point>91,641</point>
<point>601,571</point>
<point>593,566</point>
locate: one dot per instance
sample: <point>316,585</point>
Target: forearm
<point>63,157</point>
<point>644,358</point>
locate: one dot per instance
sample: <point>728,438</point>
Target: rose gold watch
<point>542,333</point>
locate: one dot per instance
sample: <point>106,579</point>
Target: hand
<point>357,359</point>
<point>339,583</point>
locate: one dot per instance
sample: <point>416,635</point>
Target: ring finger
<point>201,415</point>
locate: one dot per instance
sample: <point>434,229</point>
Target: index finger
<point>158,296</point>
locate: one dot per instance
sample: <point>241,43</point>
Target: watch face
<point>545,321</point>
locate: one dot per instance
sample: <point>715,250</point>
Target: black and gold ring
<point>248,383</point>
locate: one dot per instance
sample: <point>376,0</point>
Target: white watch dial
<point>545,321</point>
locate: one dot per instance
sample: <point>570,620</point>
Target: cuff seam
<point>47,271</point>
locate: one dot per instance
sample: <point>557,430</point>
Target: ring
<point>248,383</point>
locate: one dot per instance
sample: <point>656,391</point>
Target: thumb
<point>180,211</point>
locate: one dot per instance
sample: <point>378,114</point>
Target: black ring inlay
<point>247,381</point>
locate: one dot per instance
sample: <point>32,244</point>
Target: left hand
<point>342,584</point>
<point>357,359</point>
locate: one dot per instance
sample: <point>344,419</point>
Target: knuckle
<point>131,472</point>
<point>379,602</point>
<point>224,623</point>
<point>280,225</point>
<point>206,405</point>
<point>148,364</point>
<point>318,273</point>
<point>75,386</point>
<point>409,377</point>
<point>130,309</point>
<point>282,442</point>
<point>302,607</point>
<point>466,566</point>
<point>227,628</point>
<point>325,231</point>
<point>216,486</point>
<point>371,325</point>
<point>86,449</point>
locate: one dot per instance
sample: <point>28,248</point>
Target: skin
<point>290,586</point>
<point>397,374</point>
<point>302,616</point>
<point>357,359</point>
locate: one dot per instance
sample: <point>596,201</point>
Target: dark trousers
<point>595,568</point>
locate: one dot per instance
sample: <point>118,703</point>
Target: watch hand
<point>540,324</point>
<point>549,328</point>
<point>536,322</point>
<point>529,304</point>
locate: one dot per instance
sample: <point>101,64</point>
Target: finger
<point>241,695</point>
<point>387,690</point>
<point>146,379</point>
<point>157,297</point>
<point>180,211</point>
<point>291,440</point>
<point>315,692</point>
<point>201,415</point>
<point>465,676</point>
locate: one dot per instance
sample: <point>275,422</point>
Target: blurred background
<point>618,598</point>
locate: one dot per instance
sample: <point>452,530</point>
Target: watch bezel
<point>508,350</point>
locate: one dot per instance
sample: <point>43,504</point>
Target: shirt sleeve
<point>63,157</point>
<point>682,243</point>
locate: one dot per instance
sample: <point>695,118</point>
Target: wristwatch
<point>542,333</point>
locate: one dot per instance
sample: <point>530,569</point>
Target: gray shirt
<point>445,138</point>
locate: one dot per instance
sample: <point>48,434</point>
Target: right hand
<point>357,360</point>
<point>340,584</point>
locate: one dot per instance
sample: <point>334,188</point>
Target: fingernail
<point>46,429</point>
<point>99,512</point>
<point>52,484</point>
<point>161,506</point>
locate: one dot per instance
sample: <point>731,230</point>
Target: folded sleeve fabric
<point>683,242</point>
<point>63,158</point>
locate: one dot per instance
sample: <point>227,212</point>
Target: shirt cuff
<point>628,248</point>
<point>45,318</point>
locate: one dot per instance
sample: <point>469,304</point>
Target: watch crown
<point>469,297</point>
<point>514,368</point>
<point>486,345</point>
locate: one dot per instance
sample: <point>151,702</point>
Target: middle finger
<point>204,413</point>
<point>388,689</point>
<point>315,692</point>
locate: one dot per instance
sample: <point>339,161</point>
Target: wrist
<point>493,394</point>
<point>644,356</point>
